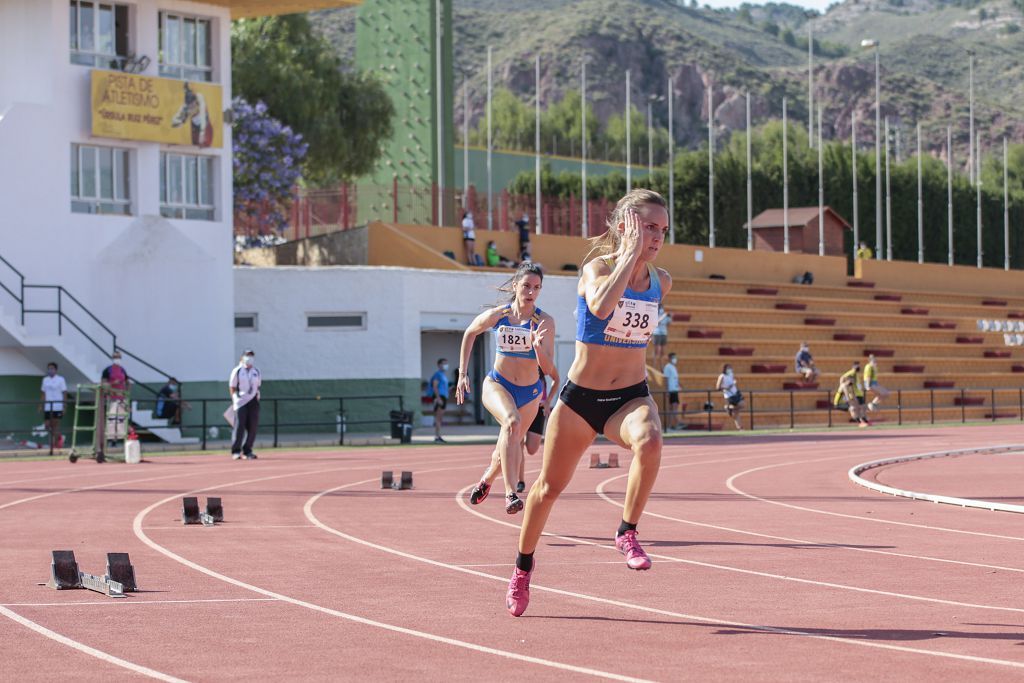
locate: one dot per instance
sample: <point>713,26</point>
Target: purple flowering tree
<point>267,163</point>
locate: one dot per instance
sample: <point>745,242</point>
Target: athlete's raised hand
<point>632,236</point>
<point>536,336</point>
<point>462,388</point>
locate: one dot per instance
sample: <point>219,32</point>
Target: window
<point>186,186</point>
<point>99,180</point>
<point>246,321</point>
<point>98,34</point>
<point>185,47</point>
<point>351,321</point>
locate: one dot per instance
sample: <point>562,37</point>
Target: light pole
<point>629,141</point>
<point>465,142</point>
<point>920,201</point>
<point>810,85</point>
<point>671,170</point>
<point>821,193</point>
<point>785,181</point>
<point>441,98</point>
<point>977,190</point>
<point>949,192</point>
<point>870,42</point>
<point>536,146</point>
<point>750,187</point>
<point>888,197</point>
<point>583,147</point>
<point>1006,211</point>
<point>853,168</point>
<point>711,169</point>
<point>970,99</point>
<point>490,141</point>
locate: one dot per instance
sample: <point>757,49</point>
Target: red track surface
<point>769,564</point>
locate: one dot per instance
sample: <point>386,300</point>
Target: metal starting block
<point>387,481</point>
<point>65,575</point>
<point>597,463</point>
<point>190,510</point>
<point>215,509</point>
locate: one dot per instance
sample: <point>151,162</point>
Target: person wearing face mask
<point>244,384</point>
<point>169,403</point>
<point>116,382</point>
<point>733,396</point>
<point>55,393</point>
<point>671,373</point>
<point>439,388</point>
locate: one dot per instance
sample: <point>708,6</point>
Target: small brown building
<point>803,230</point>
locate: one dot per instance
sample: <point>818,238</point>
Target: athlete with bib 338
<point>606,392</point>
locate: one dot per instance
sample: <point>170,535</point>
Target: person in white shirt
<point>245,399</point>
<point>674,416</point>
<point>54,394</point>
<point>733,396</point>
<point>469,238</point>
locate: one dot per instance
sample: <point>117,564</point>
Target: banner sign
<point>133,107</point>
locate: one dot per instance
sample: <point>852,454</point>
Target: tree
<point>344,116</point>
<point>267,162</point>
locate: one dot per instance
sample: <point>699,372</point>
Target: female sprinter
<point>606,392</point>
<point>523,335</point>
<point>532,443</point>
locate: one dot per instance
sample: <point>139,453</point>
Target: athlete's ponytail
<point>509,286</point>
<point>608,243</point>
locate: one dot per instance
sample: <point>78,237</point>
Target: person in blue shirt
<point>672,388</point>
<point>512,392</point>
<point>439,390</point>
<point>606,392</point>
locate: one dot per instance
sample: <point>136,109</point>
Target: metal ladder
<point>94,447</point>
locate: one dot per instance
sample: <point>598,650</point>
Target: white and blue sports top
<point>630,325</point>
<point>514,340</point>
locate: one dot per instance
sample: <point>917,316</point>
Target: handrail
<point>62,316</point>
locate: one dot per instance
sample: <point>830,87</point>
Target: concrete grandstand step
<point>1000,353</point>
<point>969,401</point>
<point>861,284</point>
<point>790,306</point>
<point>964,339</point>
<point>941,325</point>
<point>765,368</point>
<point>762,291</point>
<point>848,336</point>
<point>681,317</point>
<point>704,334</point>
<point>799,386</point>
<point>1002,414</point>
<point>939,384</point>
<point>993,302</point>
<point>1015,316</point>
<point>820,321</point>
<point>1017,368</point>
<point>879,353</point>
<point>888,297</point>
<point>909,310</point>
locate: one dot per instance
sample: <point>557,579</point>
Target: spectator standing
<point>244,385</point>
<point>439,388</point>
<point>805,366</point>
<point>523,224</point>
<point>851,389</point>
<point>660,336</point>
<point>54,394</point>
<point>469,238</point>
<point>871,383</point>
<point>671,373</point>
<point>115,381</point>
<point>864,251</point>
<point>731,392</point>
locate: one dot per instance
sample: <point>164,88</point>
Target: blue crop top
<point>630,325</point>
<point>514,340</point>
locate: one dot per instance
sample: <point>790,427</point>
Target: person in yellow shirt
<point>852,389</point>
<point>864,251</point>
<point>871,383</point>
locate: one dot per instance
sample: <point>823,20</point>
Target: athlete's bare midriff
<point>521,371</point>
<point>608,367</point>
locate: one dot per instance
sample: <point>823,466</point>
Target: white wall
<point>164,286</point>
<point>399,304</point>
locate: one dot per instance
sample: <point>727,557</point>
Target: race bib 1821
<point>512,339</point>
<point>633,321</point>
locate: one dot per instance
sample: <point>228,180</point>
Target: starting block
<point>190,513</point>
<point>65,575</point>
<point>215,509</point>
<point>190,510</point>
<point>597,463</point>
<point>387,481</point>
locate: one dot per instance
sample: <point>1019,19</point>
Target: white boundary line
<point>137,527</point>
<point>133,603</point>
<point>856,471</point>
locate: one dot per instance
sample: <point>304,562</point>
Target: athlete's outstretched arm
<point>480,324</point>
<point>544,338</point>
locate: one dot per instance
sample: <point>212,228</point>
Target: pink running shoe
<point>518,596</point>
<point>479,493</point>
<point>636,558</point>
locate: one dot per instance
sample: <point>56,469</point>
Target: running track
<point>769,564</point>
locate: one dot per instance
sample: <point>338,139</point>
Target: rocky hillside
<point>760,49</point>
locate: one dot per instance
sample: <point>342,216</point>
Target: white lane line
<point>137,526</point>
<point>236,527</point>
<point>460,499</point>
<point>134,603</point>
<point>91,651</point>
<point>731,484</point>
<point>99,654</point>
<point>600,490</point>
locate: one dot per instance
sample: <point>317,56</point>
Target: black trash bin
<point>401,425</point>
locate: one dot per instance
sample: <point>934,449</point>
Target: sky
<point>819,5</point>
